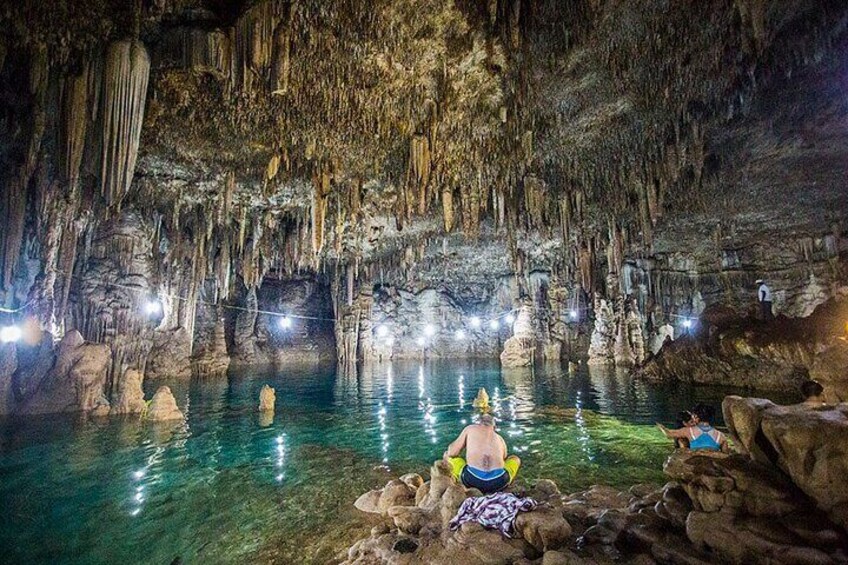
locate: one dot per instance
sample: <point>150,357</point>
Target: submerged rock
<point>267,399</point>
<point>163,406</point>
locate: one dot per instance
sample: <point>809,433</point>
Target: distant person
<point>701,436</point>
<point>486,465</point>
<point>684,420</point>
<point>813,393</point>
<point>764,297</point>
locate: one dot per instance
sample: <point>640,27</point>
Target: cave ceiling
<point>353,130</point>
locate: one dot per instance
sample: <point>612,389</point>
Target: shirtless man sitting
<point>486,465</point>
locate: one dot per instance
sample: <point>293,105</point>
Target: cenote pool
<point>226,487</point>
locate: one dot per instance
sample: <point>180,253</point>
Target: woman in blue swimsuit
<point>702,436</point>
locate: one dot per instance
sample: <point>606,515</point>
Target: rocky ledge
<point>781,499</point>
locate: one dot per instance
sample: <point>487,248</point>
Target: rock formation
<point>178,175</point>
<point>74,383</point>
<point>267,398</point>
<point>130,396</point>
<point>163,407</point>
<point>519,349</point>
<point>786,508</point>
<point>746,353</point>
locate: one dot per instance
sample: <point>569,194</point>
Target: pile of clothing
<point>495,511</point>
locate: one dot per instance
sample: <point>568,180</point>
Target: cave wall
<point>414,162</point>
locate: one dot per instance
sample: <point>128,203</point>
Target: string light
<point>494,324</point>
<point>153,307</point>
<point>460,335</point>
<point>429,330</point>
<point>573,314</point>
<point>510,319</point>
<point>382,331</point>
<point>420,341</point>
<point>687,323</point>
<point>475,322</point>
<point>10,334</point>
<point>285,322</point>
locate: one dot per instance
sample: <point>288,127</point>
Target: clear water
<point>226,487</point>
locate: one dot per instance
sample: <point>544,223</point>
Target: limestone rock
<point>544,528</point>
<point>518,352</point>
<point>77,381</point>
<point>830,369</point>
<point>163,406</point>
<point>8,366</point>
<point>267,399</point>
<point>130,395</point>
<point>169,358</point>
<point>812,446</point>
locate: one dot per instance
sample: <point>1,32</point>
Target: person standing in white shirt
<point>764,297</point>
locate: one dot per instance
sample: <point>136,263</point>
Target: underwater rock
<point>267,399</point>
<point>130,394</point>
<point>163,406</point>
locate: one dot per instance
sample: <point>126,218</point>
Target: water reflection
<point>220,484</point>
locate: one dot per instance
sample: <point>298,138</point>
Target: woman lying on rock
<point>701,435</point>
<point>486,465</point>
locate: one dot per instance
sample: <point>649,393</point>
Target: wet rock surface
<point>716,507</point>
<point>745,352</point>
<point>163,407</point>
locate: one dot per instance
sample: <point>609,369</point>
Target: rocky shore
<point>781,498</point>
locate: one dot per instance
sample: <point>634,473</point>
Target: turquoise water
<point>225,486</point>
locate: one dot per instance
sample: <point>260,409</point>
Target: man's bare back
<point>484,448</point>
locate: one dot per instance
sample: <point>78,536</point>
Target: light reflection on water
<point>230,485</point>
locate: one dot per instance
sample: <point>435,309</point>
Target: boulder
<point>163,406</point>
<point>544,528</point>
<point>267,399</point>
<point>812,446</point>
<point>130,395</point>
<point>830,369</point>
<point>809,444</point>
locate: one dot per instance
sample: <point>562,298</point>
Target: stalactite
<point>447,208</point>
<point>74,124</point>
<point>125,90</point>
<point>252,40</point>
<point>321,189</point>
<point>282,58</point>
<point>419,157</point>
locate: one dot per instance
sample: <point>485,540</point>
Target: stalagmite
<point>125,90</point>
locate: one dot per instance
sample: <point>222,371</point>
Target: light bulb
<point>382,331</point>
<point>573,314</point>
<point>10,334</point>
<point>285,322</point>
<point>510,319</point>
<point>475,322</point>
<point>429,330</point>
<point>460,335</point>
<point>687,323</point>
<point>420,341</point>
<point>494,324</point>
<point>153,307</point>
